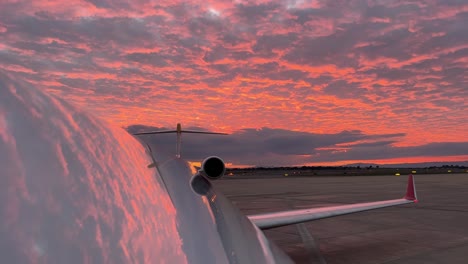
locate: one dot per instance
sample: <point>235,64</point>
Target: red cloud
<point>378,67</point>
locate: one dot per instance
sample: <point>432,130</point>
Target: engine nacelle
<point>213,168</point>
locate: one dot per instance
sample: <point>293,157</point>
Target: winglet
<point>411,190</point>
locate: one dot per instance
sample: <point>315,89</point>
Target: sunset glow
<point>378,78</point>
<point>73,186</point>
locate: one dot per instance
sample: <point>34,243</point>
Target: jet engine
<point>212,168</point>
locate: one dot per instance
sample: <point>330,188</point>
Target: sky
<point>293,82</point>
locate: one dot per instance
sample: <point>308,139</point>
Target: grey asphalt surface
<point>435,230</point>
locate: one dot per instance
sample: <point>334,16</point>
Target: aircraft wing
<point>277,219</point>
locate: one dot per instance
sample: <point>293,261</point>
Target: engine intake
<point>213,168</point>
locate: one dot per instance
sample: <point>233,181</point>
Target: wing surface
<point>155,132</point>
<point>175,131</point>
<point>277,219</point>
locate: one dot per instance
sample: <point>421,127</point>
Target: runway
<point>435,230</point>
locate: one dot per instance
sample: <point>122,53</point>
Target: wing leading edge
<point>271,220</point>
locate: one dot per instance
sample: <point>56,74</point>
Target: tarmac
<point>434,230</point>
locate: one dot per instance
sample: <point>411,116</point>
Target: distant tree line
<point>300,168</point>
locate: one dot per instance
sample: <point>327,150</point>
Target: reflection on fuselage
<point>213,230</point>
<point>76,190</point>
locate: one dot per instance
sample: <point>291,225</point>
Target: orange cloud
<point>380,68</point>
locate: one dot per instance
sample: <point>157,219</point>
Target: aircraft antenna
<point>179,140</point>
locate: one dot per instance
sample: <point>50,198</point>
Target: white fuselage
<point>78,190</point>
<point>212,229</point>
